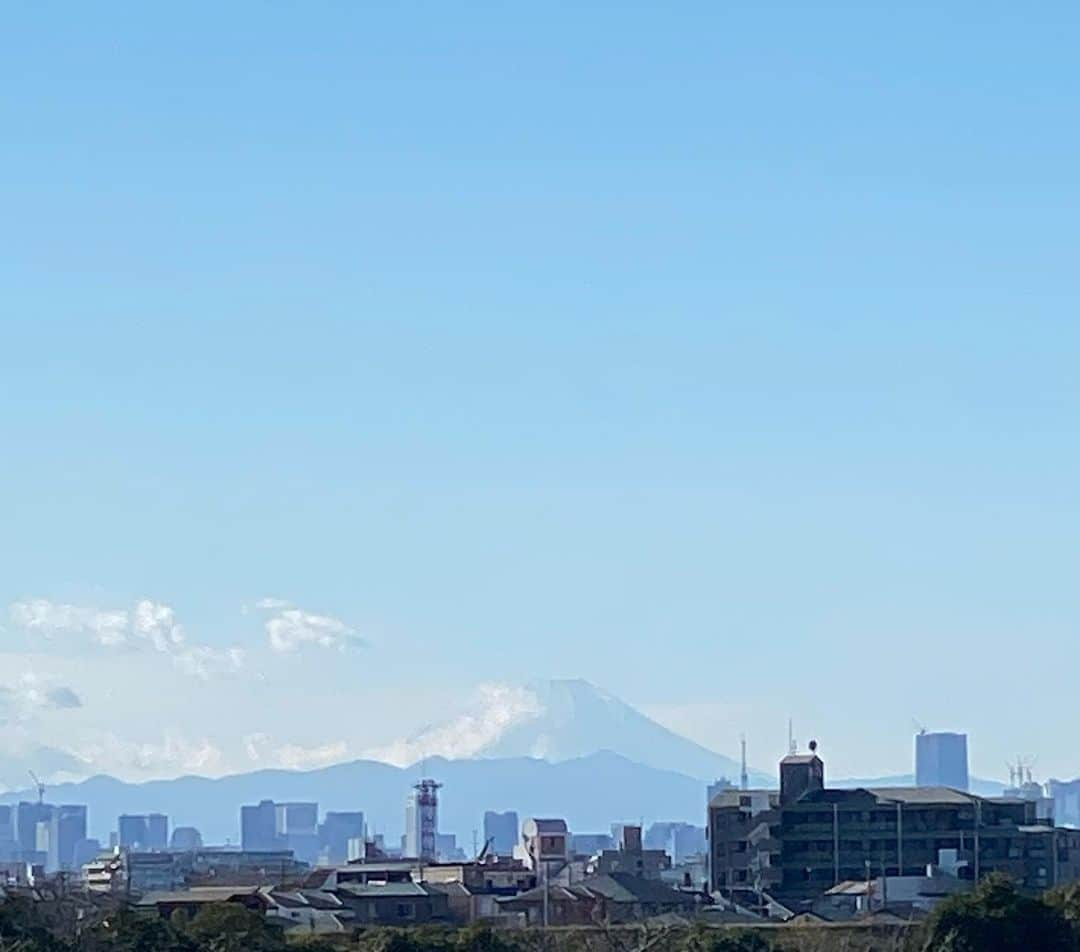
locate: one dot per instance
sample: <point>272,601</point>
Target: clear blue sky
<point>723,354</point>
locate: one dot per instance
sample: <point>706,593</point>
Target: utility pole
<point>899,838</point>
<point>836,843</point>
<point>978,823</point>
<point>547,893</point>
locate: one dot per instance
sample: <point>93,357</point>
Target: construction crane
<point>40,787</point>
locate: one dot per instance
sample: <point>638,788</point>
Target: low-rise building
<point>545,843</point>
<point>394,903</point>
<point>614,898</point>
<point>630,857</point>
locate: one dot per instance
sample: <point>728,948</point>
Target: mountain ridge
<point>590,792</point>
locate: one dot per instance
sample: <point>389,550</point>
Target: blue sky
<point>724,355</point>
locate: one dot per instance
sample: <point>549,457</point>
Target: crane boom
<point>40,787</point>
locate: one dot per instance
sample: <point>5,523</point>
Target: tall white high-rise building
<point>941,760</point>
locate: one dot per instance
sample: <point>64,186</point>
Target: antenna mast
<point>744,782</point>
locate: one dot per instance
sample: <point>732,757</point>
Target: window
<point>405,910</point>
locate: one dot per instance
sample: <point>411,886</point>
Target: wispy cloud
<point>495,709</point>
<point>148,625</point>
<point>264,750</point>
<point>173,754</point>
<point>291,628</point>
<point>41,616</point>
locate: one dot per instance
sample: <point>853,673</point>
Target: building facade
<point>941,760</point>
<point>335,832</point>
<point>501,831</point>
<point>799,842</point>
<point>143,831</point>
<point>258,826</point>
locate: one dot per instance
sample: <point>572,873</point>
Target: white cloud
<point>495,709</point>
<point>173,755</point>
<point>264,750</point>
<point>273,604</point>
<point>149,624</point>
<point>157,623</point>
<point>291,628</point>
<point>47,618</point>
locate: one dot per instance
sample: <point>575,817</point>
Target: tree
<point>230,927</point>
<point>127,931</point>
<point>996,917</point>
<point>23,929</point>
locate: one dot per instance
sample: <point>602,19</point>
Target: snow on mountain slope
<point>557,721</point>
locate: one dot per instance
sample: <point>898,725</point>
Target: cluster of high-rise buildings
<point>295,826</point>
<point>51,836</point>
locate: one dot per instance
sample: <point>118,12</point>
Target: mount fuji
<point>557,721</point>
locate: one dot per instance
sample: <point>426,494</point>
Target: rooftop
<point>395,890</point>
<point>197,894</point>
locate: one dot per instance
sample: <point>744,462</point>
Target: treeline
<point>996,917</point>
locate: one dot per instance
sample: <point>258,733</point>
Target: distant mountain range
<point>563,748</point>
<point>590,792</point>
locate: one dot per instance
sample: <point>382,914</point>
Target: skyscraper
<point>157,831</point>
<point>298,829</point>
<point>501,831</point>
<point>27,817</point>
<point>49,834</point>
<point>272,826</point>
<point>148,832</point>
<point>69,821</point>
<point>258,826</point>
<point>7,832</point>
<point>335,832</point>
<point>941,760</point>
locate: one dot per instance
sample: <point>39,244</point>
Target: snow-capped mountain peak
<point>555,721</point>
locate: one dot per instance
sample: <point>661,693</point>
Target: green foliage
<point>129,932</point>
<point>703,939</point>
<point>415,939</point>
<point>23,928</point>
<point>996,918</point>
<point>229,927</point>
<point>482,938</point>
<point>1065,900</point>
